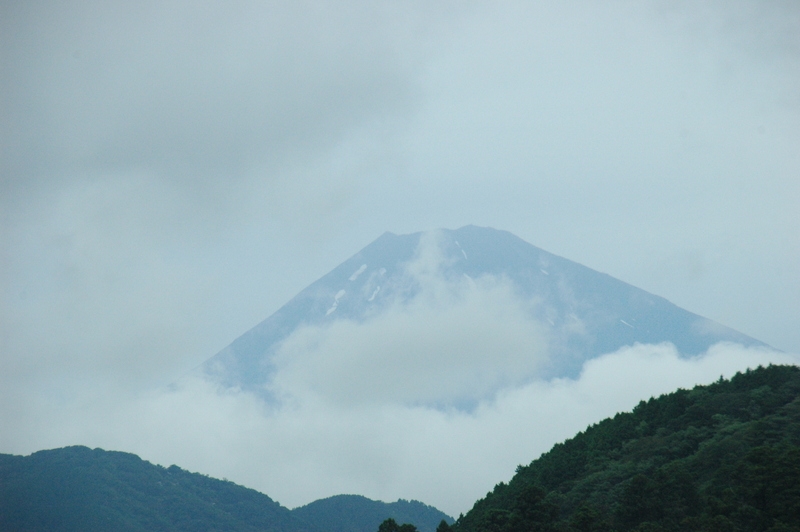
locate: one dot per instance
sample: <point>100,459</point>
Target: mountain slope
<point>354,513</point>
<point>719,457</point>
<point>80,489</point>
<point>587,313</point>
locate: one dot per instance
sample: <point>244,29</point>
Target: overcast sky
<point>171,173</point>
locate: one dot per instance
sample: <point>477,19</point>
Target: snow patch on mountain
<point>339,295</point>
<point>358,272</point>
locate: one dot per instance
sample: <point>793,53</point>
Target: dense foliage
<point>390,525</point>
<point>723,457</point>
<point>80,489</point>
<point>354,513</point>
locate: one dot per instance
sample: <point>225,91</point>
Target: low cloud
<point>455,342</point>
<point>375,443</point>
<point>428,352</point>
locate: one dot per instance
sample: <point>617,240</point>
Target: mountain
<point>719,457</point>
<point>587,313</point>
<point>82,489</point>
<point>354,513</point>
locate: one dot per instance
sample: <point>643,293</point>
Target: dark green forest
<point>82,489</point>
<point>722,457</point>
<point>77,488</point>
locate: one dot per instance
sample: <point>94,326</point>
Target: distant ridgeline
<point>720,457</point>
<point>82,490</point>
<point>354,513</point>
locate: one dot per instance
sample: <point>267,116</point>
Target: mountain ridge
<point>78,488</point>
<point>356,513</point>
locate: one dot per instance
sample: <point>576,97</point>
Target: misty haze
<point>381,260</point>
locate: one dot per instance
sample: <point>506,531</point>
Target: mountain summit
<point>578,312</point>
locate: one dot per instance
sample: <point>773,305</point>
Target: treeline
<point>390,525</point>
<point>722,457</point>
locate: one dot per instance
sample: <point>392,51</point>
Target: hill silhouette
<point>720,457</point>
<point>355,513</point>
<point>81,489</point>
<point>77,488</point>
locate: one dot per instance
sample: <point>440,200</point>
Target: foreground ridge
<point>720,457</point>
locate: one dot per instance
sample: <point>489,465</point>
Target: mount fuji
<point>578,313</point>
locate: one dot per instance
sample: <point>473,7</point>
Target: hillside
<point>720,457</point>
<point>82,489</point>
<point>354,513</point>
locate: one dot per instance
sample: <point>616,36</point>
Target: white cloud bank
<point>462,351</point>
<point>378,445</point>
<point>455,342</point>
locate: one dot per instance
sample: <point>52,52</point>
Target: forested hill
<point>720,457</point>
<point>80,489</point>
<point>354,513</point>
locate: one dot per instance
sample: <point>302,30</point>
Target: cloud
<point>377,444</point>
<point>205,89</point>
<point>171,173</point>
<point>456,341</point>
<point>88,296</point>
<point>214,160</point>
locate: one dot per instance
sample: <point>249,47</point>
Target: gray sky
<point>171,173</point>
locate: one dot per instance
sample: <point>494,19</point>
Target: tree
<point>390,525</point>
